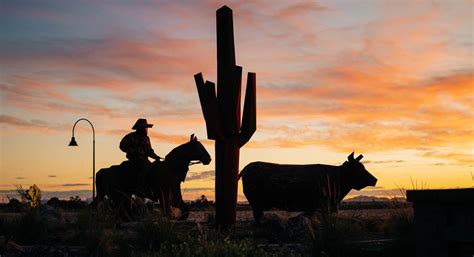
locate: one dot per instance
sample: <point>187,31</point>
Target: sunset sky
<point>392,80</point>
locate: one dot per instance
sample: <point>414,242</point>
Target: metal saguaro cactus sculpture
<point>222,115</point>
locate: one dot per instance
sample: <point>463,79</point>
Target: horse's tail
<point>102,181</point>
<point>99,184</point>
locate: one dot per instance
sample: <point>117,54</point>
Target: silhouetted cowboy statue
<point>138,148</point>
<point>159,181</point>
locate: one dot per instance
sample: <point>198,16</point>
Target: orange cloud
<point>297,9</point>
<point>461,158</point>
<point>409,117</point>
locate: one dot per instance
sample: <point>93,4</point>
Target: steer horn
<point>359,157</point>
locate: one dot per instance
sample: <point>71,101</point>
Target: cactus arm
<point>236,97</point>
<point>249,118</point>
<point>207,97</point>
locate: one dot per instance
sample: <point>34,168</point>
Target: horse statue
<point>162,182</point>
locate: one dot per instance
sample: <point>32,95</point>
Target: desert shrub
<point>220,248</point>
<point>210,218</point>
<point>401,227</point>
<point>14,205</point>
<point>73,204</point>
<point>332,235</point>
<point>30,228</point>
<point>400,223</point>
<point>104,233</point>
<point>202,240</point>
<point>95,229</point>
<point>151,234</point>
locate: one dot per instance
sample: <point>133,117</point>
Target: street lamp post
<point>74,143</point>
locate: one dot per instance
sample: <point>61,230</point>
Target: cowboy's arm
<point>151,153</point>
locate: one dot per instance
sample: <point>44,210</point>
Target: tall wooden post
<point>223,117</point>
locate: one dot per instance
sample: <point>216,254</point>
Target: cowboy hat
<point>142,123</point>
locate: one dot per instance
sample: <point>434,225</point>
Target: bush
<point>14,205</point>
<point>225,248</point>
<point>401,227</point>
<point>28,229</point>
<point>154,232</point>
<point>332,235</point>
<point>96,229</point>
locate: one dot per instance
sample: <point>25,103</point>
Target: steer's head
<point>356,173</point>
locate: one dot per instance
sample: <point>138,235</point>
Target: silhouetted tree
<point>202,202</point>
<point>75,202</point>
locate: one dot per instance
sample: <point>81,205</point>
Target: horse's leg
<point>163,196</point>
<point>179,203</point>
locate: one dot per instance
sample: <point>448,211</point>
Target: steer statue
<point>308,188</point>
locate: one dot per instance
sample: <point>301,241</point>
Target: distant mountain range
<point>364,198</point>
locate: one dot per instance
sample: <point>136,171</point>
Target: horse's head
<point>189,152</point>
<point>197,151</point>
<point>165,183</point>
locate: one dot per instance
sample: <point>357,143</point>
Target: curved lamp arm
<point>73,140</point>
<point>74,143</point>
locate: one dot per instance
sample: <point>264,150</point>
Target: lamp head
<point>73,142</point>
